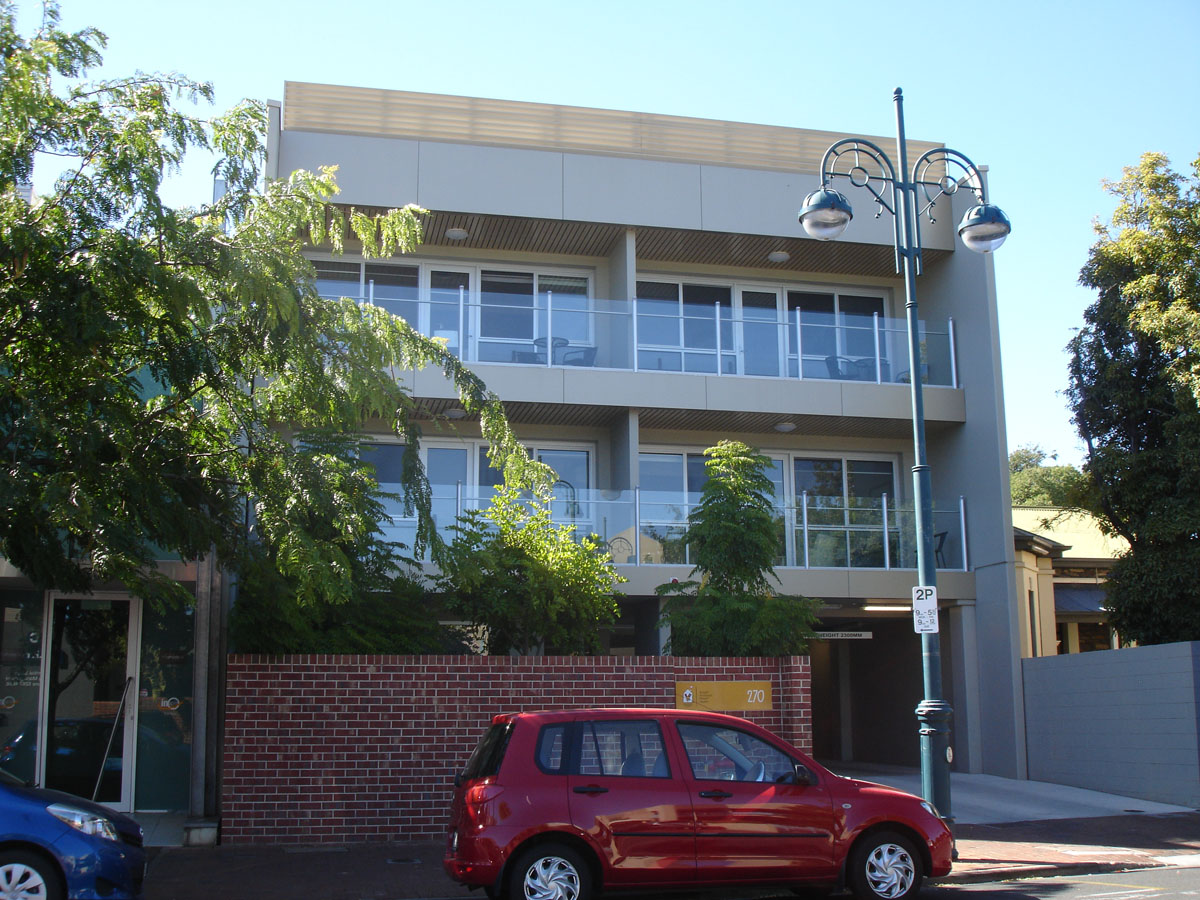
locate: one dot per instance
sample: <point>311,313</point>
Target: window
<point>388,461</point>
<point>843,511</point>
<point>338,279</point>
<point>488,753</point>
<point>524,315</point>
<point>671,485</point>
<point>836,336</point>
<point>550,745</point>
<point>395,289</point>
<point>727,754</point>
<point>633,749</point>
<point>684,327</point>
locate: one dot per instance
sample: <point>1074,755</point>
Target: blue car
<point>55,846</point>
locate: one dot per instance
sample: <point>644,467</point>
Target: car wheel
<point>26,876</point>
<point>550,872</point>
<point>885,866</point>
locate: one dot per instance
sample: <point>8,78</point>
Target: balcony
<point>572,330</point>
<point>646,528</point>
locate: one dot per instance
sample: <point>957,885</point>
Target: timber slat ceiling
<point>709,248</point>
<point>541,126</point>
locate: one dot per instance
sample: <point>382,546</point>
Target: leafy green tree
<point>1134,402</point>
<point>1033,483</point>
<point>1152,250</point>
<point>524,583</point>
<point>161,368</point>
<point>733,536</point>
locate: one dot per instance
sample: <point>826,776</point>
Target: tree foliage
<point>1132,392</point>
<point>524,583</point>
<point>162,368</point>
<point>1033,483</point>
<point>734,536</point>
<point>1152,247</point>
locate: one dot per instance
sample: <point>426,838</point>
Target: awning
<point>1079,598</point>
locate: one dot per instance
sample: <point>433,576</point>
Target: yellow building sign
<point>723,696</point>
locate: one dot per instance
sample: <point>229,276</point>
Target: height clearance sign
<point>925,610</point>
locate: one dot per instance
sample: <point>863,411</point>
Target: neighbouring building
<point>1063,560</point>
<point>636,288</point>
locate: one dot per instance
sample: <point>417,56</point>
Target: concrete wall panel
<point>635,191</point>
<point>1121,721</point>
<point>494,180</point>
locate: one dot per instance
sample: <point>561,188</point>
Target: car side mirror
<point>458,779</point>
<point>802,776</point>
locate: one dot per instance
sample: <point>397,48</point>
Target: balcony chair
<point>579,356</point>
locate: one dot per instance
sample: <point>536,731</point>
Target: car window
<point>726,754</point>
<point>550,745</point>
<point>488,753</point>
<point>630,748</point>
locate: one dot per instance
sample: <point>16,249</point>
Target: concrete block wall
<point>1120,721</point>
<point>340,749</point>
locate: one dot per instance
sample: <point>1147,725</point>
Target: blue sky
<point>1052,96</point>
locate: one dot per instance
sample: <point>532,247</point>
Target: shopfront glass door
<point>90,699</point>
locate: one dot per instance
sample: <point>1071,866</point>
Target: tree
<point>163,369</point>
<point>524,583</point>
<point>733,535</point>
<point>1152,250</point>
<point>1033,483</point>
<point>1135,405</point>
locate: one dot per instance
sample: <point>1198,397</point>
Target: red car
<point>562,805</point>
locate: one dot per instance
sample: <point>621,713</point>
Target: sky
<point>1053,96</point>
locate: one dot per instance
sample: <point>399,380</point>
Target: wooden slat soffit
<point>438,117</point>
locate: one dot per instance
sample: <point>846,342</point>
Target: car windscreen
<point>488,753</point>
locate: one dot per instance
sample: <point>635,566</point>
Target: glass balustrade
<point>571,330</point>
<point>648,528</point>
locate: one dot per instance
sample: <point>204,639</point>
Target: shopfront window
<point>21,640</point>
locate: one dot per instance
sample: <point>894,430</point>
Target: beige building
<point>636,288</point>
<point>1063,559</point>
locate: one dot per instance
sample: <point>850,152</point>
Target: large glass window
<point>449,297</point>
<point>336,278</point>
<point>682,327</point>
<point>760,333</point>
<point>164,734</point>
<point>524,316</point>
<point>840,510</point>
<point>836,334</point>
<point>21,640</point>
<point>396,289</point>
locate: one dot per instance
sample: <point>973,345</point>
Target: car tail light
<point>477,803</point>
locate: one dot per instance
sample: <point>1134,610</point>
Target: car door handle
<point>591,789</point>
<point>715,795</point>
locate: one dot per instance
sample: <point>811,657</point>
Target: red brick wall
<point>364,748</point>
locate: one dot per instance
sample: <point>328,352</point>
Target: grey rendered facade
<point>637,288</point>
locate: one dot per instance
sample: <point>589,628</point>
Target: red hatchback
<point>562,805</point>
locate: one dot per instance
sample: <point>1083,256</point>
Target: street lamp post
<point>825,215</point>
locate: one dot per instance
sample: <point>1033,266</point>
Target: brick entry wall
<point>339,749</point>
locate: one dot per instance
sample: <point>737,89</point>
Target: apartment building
<point>636,288</point>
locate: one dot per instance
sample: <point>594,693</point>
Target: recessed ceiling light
<point>457,234</point>
<point>455,413</point>
<point>785,427</point>
<point>779,256</point>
